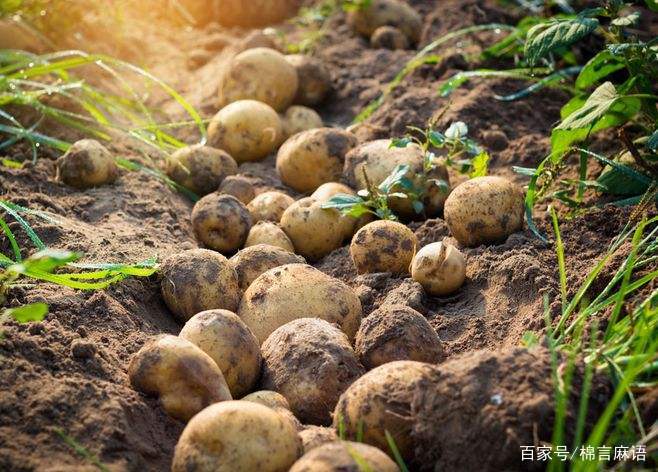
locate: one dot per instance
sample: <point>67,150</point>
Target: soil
<point>67,374</point>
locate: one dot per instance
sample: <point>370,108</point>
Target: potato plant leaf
<point>479,165</point>
<point>627,20</point>
<point>27,313</point>
<point>597,105</point>
<point>597,68</point>
<point>544,38</point>
<point>652,142</point>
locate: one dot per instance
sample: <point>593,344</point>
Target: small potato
<point>310,362</point>
<point>230,343</point>
<point>198,280</point>
<point>314,436</point>
<point>298,118</point>
<point>271,234</point>
<point>484,210</point>
<point>387,13</point>
<point>260,74</point>
<point>440,268</point>
<point>200,168</point>
<point>248,130</point>
<point>294,291</point>
<point>311,158</point>
<point>254,13</point>
<point>389,37</point>
<point>252,261</point>
<point>238,186</point>
<point>237,436</point>
<point>314,79</point>
<point>221,222</point>
<point>257,39</point>
<point>344,456</point>
<point>383,246</point>
<point>269,206</point>
<point>87,164</point>
<point>184,377</point>
<point>396,333</point>
<point>268,398</point>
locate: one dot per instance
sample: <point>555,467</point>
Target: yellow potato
<point>383,246</point>
<point>268,233</point>
<point>314,436</point>
<point>238,186</point>
<point>269,206</point>
<point>387,13</point>
<point>314,79</point>
<point>343,456</point>
<point>257,39</point>
<point>221,222</point>
<point>87,164</point>
<point>268,398</point>
<point>326,192</point>
<point>440,268</point>
<point>389,37</point>
<point>252,261</point>
<point>200,168</point>
<point>298,118</point>
<point>252,13</point>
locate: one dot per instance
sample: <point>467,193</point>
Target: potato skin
<point>314,79</point>
<point>310,362</point>
<point>221,222</point>
<point>330,189</point>
<point>260,74</point>
<point>440,268</point>
<point>87,164</point>
<point>238,186</point>
<point>255,13</point>
<point>389,37</point>
<point>184,377</point>
<point>484,210</point>
<point>257,39</point>
<point>310,158</point>
<point>237,436</point>
<point>198,280</point>
<point>383,246</point>
<point>268,233</point>
<point>298,118</point>
<point>269,206</point>
<point>247,129</point>
<point>268,398</point>
<point>387,13</point>
<point>200,168</point>
<point>252,261</point>
<point>339,456</point>
<point>313,436</point>
<point>294,291</point>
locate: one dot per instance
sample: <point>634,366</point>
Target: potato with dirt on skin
<point>311,158</point>
<point>200,168</point>
<point>247,129</point>
<point>298,118</point>
<point>269,233</point>
<point>238,186</point>
<point>87,164</point>
<point>184,377</point>
<point>344,456</point>
<point>294,291</point>
<point>314,436</point>
<point>269,206</point>
<point>314,79</point>
<point>257,39</point>
<point>277,402</point>
<point>252,261</point>
<point>221,222</point>
<point>389,37</point>
<point>484,210</point>
<point>237,436</point>
<point>310,362</point>
<point>387,13</point>
<point>230,343</point>
<point>254,13</point>
<point>440,268</point>
<point>198,280</point>
<point>261,74</point>
<point>326,192</point>
<point>383,246</point>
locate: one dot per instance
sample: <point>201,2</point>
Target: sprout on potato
<point>298,118</point>
<point>200,168</point>
<point>266,232</point>
<point>252,261</point>
<point>269,206</point>
<point>440,268</point>
<point>344,456</point>
<point>383,246</point>
<point>238,186</point>
<point>314,79</point>
<point>221,222</point>
<point>86,164</point>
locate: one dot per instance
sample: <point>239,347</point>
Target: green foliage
<point>27,313</point>
<point>81,450</point>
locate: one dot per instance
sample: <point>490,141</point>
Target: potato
<point>237,436</point>
<point>387,13</point>
<point>269,206</point>
<point>230,343</point>
<point>248,130</point>
<point>440,268</point>
<point>311,158</point>
<point>389,37</point>
<point>257,39</point>
<point>484,210</point>
<point>87,164</point>
<point>184,377</point>
<point>252,261</point>
<point>294,291</point>
<point>268,233</point>
<point>326,192</point>
<point>383,246</point>
<point>314,79</point>
<point>198,280</point>
<point>261,74</point>
<point>396,333</point>
<point>238,186</point>
<point>310,362</point>
<point>268,398</point>
<point>254,13</point>
<point>344,456</point>
<point>200,168</point>
<point>313,436</point>
<point>298,118</point>
<point>221,222</point>
<point>380,401</point>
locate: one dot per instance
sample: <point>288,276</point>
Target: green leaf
<point>545,38</point>
<point>652,142</point>
<point>652,4</point>
<point>394,179</point>
<point>628,20</point>
<point>597,68</point>
<point>45,261</point>
<point>529,339</point>
<point>400,142</point>
<point>342,200</point>
<point>27,313</point>
<point>418,206</point>
<point>479,165</point>
<point>527,171</point>
<point>436,138</point>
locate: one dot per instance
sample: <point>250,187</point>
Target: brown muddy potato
<point>389,37</point>
<point>198,280</point>
<point>387,13</point>
<point>484,210</point>
<point>254,13</point>
<point>313,436</point>
<point>238,186</point>
<point>252,261</point>
<point>260,74</point>
<point>396,333</point>
<point>269,206</point>
<point>237,436</point>
<point>383,246</point>
<point>310,362</point>
<point>271,234</point>
<point>200,168</point>
<point>294,291</point>
<point>87,164</point>
<point>344,456</point>
<point>380,401</point>
<point>248,130</point>
<point>221,222</point>
<point>230,343</point>
<point>298,118</point>
<point>440,268</point>
<point>184,377</point>
<point>314,79</point>
<point>311,158</point>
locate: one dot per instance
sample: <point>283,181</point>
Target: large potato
<point>439,267</point>
<point>310,362</point>
<point>484,210</point>
<point>383,246</point>
<point>247,129</point>
<point>298,118</point>
<point>252,261</point>
<point>238,186</point>
<point>266,232</point>
<point>87,164</point>
<point>221,222</point>
<point>269,206</point>
<point>200,168</point>
<point>311,158</point>
<point>344,456</point>
<point>237,436</point>
<point>387,13</point>
<point>198,280</point>
<point>184,377</point>
<point>261,74</point>
<point>314,79</point>
<point>230,343</point>
<point>294,291</point>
